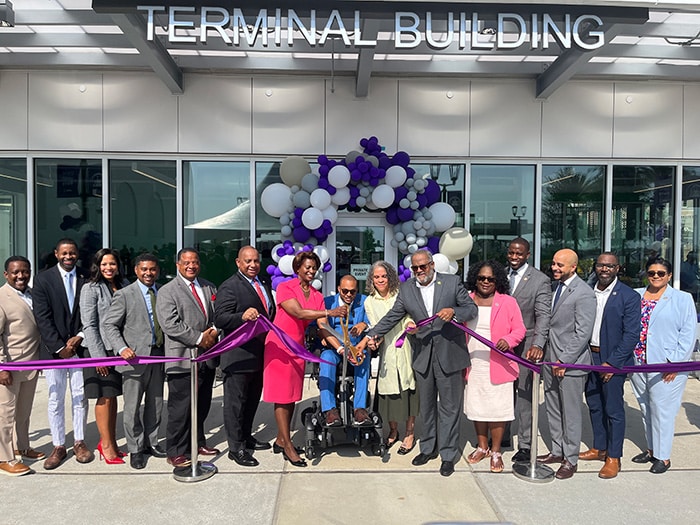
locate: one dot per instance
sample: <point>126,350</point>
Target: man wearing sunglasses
<point>357,324</point>
<point>615,334</point>
<point>440,354</point>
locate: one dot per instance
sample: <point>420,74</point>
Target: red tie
<point>260,294</point>
<point>199,301</point>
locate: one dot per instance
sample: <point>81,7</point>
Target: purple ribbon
<point>686,366</point>
<point>239,336</point>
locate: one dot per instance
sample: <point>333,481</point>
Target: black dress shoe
<point>137,460</point>
<point>422,459</point>
<point>156,452</point>
<point>298,463</point>
<point>254,444</point>
<point>447,468</point>
<point>522,455</point>
<point>276,449</point>
<point>659,467</point>
<point>243,458</point>
<point>644,457</point>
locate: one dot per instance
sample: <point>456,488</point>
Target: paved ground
<point>348,486</point>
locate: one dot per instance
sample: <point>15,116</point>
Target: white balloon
<point>383,196</point>
<point>285,264</point>
<point>322,253</point>
<point>456,243</point>
<point>412,248</point>
<point>454,267</point>
<point>407,261</point>
<point>410,238</point>
<point>276,257</point>
<point>421,241</point>
<point>293,169</point>
<point>341,197</point>
<point>320,199</point>
<point>395,176</point>
<point>275,199</point>
<point>312,218</point>
<point>339,176</point>
<point>331,214</point>
<point>297,247</point>
<point>442,263</point>
<point>443,216</point>
<point>317,284</point>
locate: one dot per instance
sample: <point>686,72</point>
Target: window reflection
<point>68,204</point>
<point>450,178</point>
<point>690,232</point>
<point>642,218</point>
<point>13,209</point>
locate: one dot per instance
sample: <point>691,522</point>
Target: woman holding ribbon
<point>667,336</point>
<point>489,392</point>
<point>283,373</point>
<point>396,384</point>
<point>102,383</point>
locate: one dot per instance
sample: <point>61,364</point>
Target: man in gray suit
<point>570,329</point>
<point>185,310</point>
<point>533,291</point>
<point>440,354</point>
<point>132,329</point>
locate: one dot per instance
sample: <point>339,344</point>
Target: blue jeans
<point>326,380</point>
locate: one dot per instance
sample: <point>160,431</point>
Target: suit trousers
<point>15,408</point>
<point>440,419</point>
<point>177,431</point>
<point>57,380</point>
<point>327,376</point>
<point>142,433</point>
<point>659,403</point>
<point>606,405</point>
<point>562,401</point>
<point>242,391</point>
<point>523,407</point>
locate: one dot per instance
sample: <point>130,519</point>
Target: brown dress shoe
<point>179,461</point>
<point>610,469</point>
<point>566,470</point>
<point>332,417</point>
<point>56,458</point>
<point>361,417</point>
<point>549,459</point>
<point>593,454</point>
<point>14,468</point>
<point>30,453</point>
<point>82,453</point>
<point>206,451</point>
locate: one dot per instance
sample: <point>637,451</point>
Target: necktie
<point>557,295</point>
<point>158,332</point>
<point>199,301</point>
<point>69,290</point>
<point>513,273</point>
<point>260,294</point>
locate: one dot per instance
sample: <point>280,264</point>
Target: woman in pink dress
<point>298,303</point>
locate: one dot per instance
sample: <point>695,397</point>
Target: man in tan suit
<point>20,342</point>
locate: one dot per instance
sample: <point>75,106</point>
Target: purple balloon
<point>308,248</point>
<point>422,201</point>
<point>363,142</point>
<point>352,204</point>
<point>433,244</point>
<point>296,223</point>
<point>355,175</point>
<point>270,269</point>
<point>331,189</point>
<point>374,172</point>
<point>290,250</point>
<point>323,183</point>
<point>410,172</point>
<point>281,251</point>
<point>400,193</point>
<point>401,158</point>
<point>298,212</point>
<point>364,167</point>
<point>374,182</point>
<point>405,214</point>
<point>432,192</point>
<point>327,267</point>
<point>301,234</point>
<point>354,191</point>
<point>287,243</point>
<point>366,177</point>
<point>322,159</point>
<point>384,162</point>
<point>392,216</point>
<point>323,170</point>
<point>407,273</point>
<point>352,165</point>
<point>319,232</point>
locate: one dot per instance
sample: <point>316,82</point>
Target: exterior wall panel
<point>14,121</point>
<point>691,121</point>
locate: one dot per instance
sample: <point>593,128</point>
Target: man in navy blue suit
<point>615,334</point>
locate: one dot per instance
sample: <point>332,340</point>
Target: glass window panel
<point>68,204</point>
<point>642,218</point>
<point>690,231</point>
<point>217,214</point>
<point>572,213</point>
<point>450,178</point>
<point>143,212</point>
<point>13,209</point>
<point>502,207</point>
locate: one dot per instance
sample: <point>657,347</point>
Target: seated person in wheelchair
<point>336,341</point>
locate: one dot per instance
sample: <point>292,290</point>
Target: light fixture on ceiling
<point>7,14</point>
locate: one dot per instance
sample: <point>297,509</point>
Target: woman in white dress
<point>489,395</point>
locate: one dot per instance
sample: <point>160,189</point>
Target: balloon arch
<point>307,204</point>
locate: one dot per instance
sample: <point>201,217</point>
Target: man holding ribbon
<point>440,354</point>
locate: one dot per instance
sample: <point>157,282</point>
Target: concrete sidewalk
<point>348,486</point>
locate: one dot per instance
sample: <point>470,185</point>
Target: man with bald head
<point>570,329</point>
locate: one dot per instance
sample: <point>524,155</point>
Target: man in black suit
<point>243,297</point>
<point>57,313</point>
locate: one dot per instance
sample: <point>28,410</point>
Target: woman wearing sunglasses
<point>667,336</point>
<point>489,394</point>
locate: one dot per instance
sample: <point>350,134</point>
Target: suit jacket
<point>233,298</point>
<point>127,324</point>
<point>438,340</point>
<point>20,335</point>
<point>571,326</point>
<point>56,322</point>
<point>671,336</point>
<point>619,329</point>
<point>182,320</point>
<point>534,297</point>
<point>506,323</point>
<point>95,299</point>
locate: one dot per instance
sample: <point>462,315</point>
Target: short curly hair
<point>499,272</point>
<point>392,277</point>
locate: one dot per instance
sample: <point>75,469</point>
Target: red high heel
<point>119,452</point>
<point>116,461</point>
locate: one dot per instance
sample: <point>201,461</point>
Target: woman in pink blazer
<point>489,396</point>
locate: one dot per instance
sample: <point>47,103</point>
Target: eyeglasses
<point>606,266</point>
<point>345,291</point>
<point>660,273</point>
<point>421,267</point>
<point>485,278</point>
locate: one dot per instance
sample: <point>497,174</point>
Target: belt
<point>595,349</point>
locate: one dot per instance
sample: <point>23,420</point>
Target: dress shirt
<point>564,285</point>
<point>518,275</point>
<point>262,288</point>
<point>601,297</point>
<point>26,297</point>
<point>75,297</point>
<point>200,293</point>
<point>144,292</point>
<point>428,293</point>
